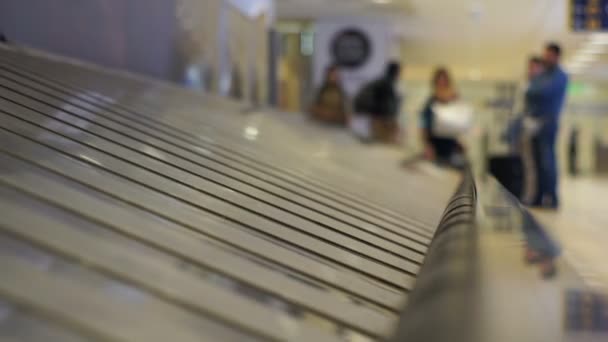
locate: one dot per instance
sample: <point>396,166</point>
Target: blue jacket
<point>546,95</point>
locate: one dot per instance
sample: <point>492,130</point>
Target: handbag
<point>361,126</point>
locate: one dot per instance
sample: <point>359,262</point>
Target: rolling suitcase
<point>509,171</point>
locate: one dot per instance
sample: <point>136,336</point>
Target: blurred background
<point>269,59</point>
<point>266,52</point>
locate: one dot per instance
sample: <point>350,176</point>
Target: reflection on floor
<point>529,305</point>
<point>581,226</point>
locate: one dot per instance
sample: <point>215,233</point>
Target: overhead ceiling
<point>323,8</point>
<point>488,39</point>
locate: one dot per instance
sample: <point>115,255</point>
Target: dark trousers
<point>445,148</point>
<point>545,159</point>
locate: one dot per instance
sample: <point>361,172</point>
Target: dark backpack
<point>365,101</point>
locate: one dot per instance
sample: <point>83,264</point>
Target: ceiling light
<point>382,2</point>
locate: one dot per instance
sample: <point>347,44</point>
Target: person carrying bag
<point>444,119</point>
<point>377,107</point>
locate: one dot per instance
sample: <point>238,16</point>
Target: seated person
<point>330,104</point>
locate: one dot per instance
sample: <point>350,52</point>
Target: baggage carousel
<point>135,210</point>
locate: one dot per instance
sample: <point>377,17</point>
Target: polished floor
<point>572,304</point>
<point>581,227</point>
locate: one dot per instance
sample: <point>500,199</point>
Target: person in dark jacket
<point>380,101</point>
<point>441,149</point>
<point>386,98</point>
<point>330,105</point>
<point>546,96</point>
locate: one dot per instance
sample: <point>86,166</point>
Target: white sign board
<point>379,37</point>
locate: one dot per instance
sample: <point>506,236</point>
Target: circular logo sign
<point>351,48</point>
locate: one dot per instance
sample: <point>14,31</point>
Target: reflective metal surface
<point>500,279</point>
<point>135,210</point>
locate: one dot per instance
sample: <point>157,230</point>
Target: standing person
<point>444,150</point>
<point>536,67</point>
<point>547,94</point>
<point>379,101</point>
<point>330,104</point>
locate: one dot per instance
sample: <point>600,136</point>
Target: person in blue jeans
<point>546,96</point>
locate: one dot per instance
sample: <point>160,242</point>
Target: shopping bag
<point>452,120</point>
<point>360,125</point>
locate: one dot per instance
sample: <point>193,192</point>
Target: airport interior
<point>303,170</point>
